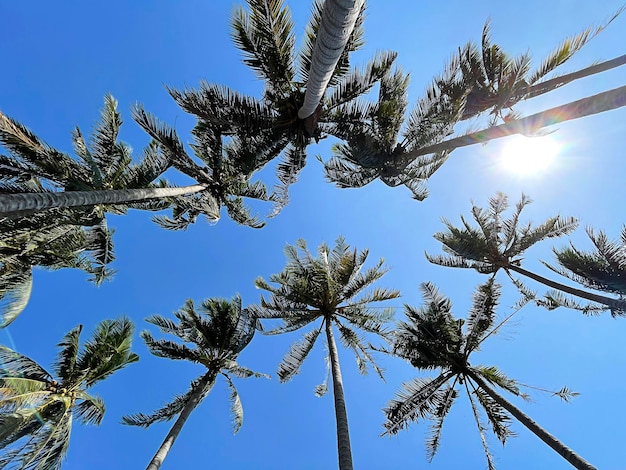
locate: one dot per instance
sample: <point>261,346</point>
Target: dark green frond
<point>298,352</point>
<point>434,437</point>
<point>166,412</point>
<point>265,36</point>
<point>418,399</point>
<point>555,299</point>
<point>497,416</point>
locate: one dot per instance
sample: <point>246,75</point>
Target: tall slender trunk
<point>341,415</point>
<point>601,299</point>
<point>549,85</point>
<point>338,20</point>
<point>10,204</point>
<point>204,386</point>
<point>595,104</point>
<point>564,451</point>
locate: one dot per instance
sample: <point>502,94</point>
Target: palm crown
<point>217,331</point>
<point>36,410</point>
<point>264,33</point>
<point>476,80</point>
<point>602,269</point>
<point>498,243</point>
<point>433,339</point>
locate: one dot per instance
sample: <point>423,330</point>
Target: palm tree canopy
<point>331,287</point>
<point>36,410</point>
<point>263,32</point>
<point>476,80</point>
<point>602,269</point>
<point>495,242</point>
<point>433,339</point>
<point>212,334</point>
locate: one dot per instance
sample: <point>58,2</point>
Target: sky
<point>59,59</point>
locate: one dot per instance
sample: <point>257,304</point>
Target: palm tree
<point>102,175</point>
<point>603,269</point>
<point>218,334</point>
<point>433,339</point>
<point>264,34</point>
<point>498,81</point>
<point>51,241</point>
<point>37,410</point>
<point>472,83</point>
<point>498,243</point>
<point>329,288</point>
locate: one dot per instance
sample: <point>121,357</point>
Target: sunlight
<point>528,155</point>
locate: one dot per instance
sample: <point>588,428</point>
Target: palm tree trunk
<point>204,386</point>
<point>595,104</point>
<point>11,204</point>
<point>341,415</point>
<point>552,84</point>
<point>564,451</point>
<point>338,20</point>
<point>601,299</point>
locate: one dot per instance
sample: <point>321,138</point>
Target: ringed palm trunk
<point>338,20</point>
<point>595,104</point>
<point>341,415</point>
<point>564,451</point>
<point>204,386</point>
<point>601,299</point>
<point>17,204</point>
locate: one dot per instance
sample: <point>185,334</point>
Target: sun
<point>528,155</point>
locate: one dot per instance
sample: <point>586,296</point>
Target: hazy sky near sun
<point>61,58</point>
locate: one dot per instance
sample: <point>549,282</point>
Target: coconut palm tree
<point>217,332</point>
<point>264,34</point>
<point>432,339</point>
<point>330,290</point>
<point>603,269</point>
<point>498,244</point>
<point>103,175</point>
<point>474,82</point>
<point>37,410</point>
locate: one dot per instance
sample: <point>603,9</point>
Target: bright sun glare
<point>528,155</point>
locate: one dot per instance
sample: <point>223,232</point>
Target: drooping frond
<point>16,285</point>
<point>555,299</point>
<point>418,399</point>
<point>434,437</point>
<point>167,411</point>
<point>298,352</point>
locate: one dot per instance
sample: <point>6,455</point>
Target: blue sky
<point>61,58</point>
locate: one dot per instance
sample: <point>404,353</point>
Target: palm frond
<point>418,399</point>
<point>236,410</point>
<point>298,352</point>
<point>568,48</point>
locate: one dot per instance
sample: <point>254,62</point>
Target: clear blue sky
<point>58,61</point>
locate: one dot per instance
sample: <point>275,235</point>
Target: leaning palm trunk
<point>338,20</point>
<point>341,415</point>
<point>595,104</point>
<point>564,451</point>
<point>16,204</point>
<point>204,386</point>
<point>552,84</point>
<point>601,299</point>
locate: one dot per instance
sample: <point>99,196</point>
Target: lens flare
<point>528,155</point>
